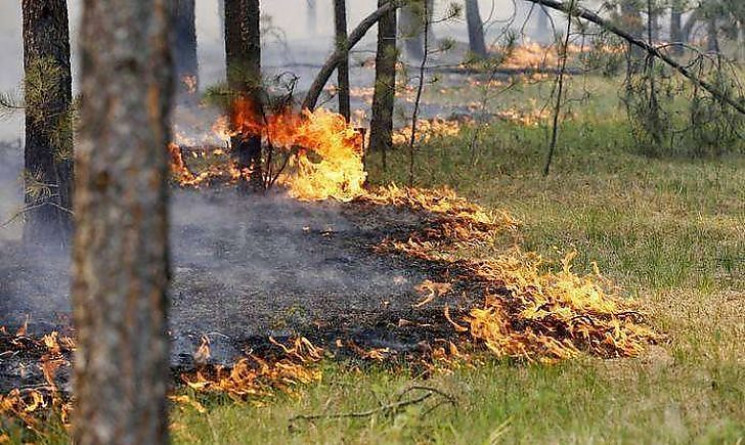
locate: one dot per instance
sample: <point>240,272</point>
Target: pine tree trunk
<point>340,21</point>
<point>243,60</point>
<point>49,145</point>
<point>384,97</point>
<point>185,49</point>
<point>476,42</point>
<point>120,272</point>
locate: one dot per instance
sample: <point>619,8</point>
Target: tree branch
<point>311,99</point>
<point>590,16</point>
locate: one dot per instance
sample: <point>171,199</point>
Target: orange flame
<point>326,151</point>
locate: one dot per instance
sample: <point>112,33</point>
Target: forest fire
<point>317,155</point>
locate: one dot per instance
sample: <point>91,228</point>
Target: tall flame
<point>327,151</point>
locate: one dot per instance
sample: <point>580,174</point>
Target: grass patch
<point>670,231</point>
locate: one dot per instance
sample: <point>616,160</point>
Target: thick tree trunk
<point>120,274</point>
<point>340,20</point>
<point>243,60</point>
<point>384,97</point>
<point>411,27</point>
<point>476,42</point>
<point>185,49</point>
<point>49,145</point>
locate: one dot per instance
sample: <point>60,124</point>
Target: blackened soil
<point>246,268</point>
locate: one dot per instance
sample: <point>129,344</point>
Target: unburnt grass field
<point>669,231</point>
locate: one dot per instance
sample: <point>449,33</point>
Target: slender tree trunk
<point>120,274</point>
<point>476,42</point>
<point>384,97</point>
<point>243,60</point>
<point>49,145</point>
<point>412,26</point>
<point>324,74</point>
<point>340,19</point>
<point>185,49</point>
<point>632,21</point>
<point>676,29</point>
<point>712,35</point>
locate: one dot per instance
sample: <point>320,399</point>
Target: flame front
<point>325,151</point>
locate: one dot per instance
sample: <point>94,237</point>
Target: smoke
<point>244,267</point>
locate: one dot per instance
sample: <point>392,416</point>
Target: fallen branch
<point>390,408</point>
<point>580,12</point>
<point>323,76</point>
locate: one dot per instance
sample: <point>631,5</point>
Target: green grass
<point>670,232</point>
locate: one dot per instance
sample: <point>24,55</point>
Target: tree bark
<point>49,143</point>
<point>476,42</point>
<point>384,97</point>
<point>185,49</point>
<point>243,60</point>
<point>120,271</point>
<point>340,20</point>
<point>314,92</point>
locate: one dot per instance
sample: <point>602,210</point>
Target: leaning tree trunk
<point>324,74</point>
<point>120,272</point>
<point>185,49</point>
<point>340,21</point>
<point>384,97</point>
<point>243,60</point>
<point>48,95</point>
<point>476,42</point>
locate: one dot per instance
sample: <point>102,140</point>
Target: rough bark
<point>185,48</point>
<point>120,272</point>
<point>476,42</point>
<point>49,145</point>
<point>314,92</point>
<point>340,21</point>
<point>243,61</point>
<point>384,97</point>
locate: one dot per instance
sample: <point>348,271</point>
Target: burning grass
<point>526,312</point>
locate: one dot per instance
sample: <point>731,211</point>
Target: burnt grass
<point>247,268</point>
